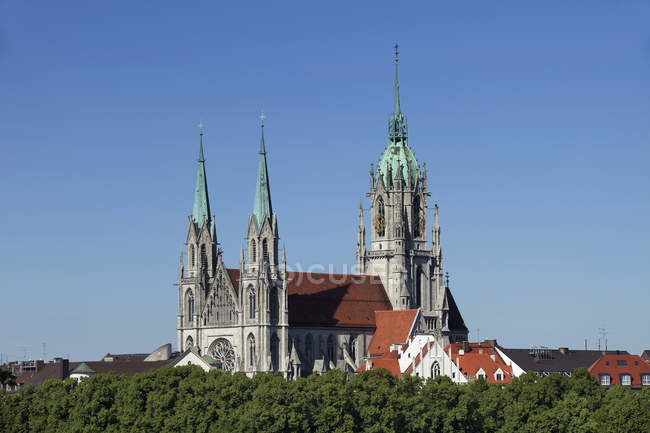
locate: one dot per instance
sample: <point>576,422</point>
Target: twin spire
<point>201,209</point>
<point>262,205</point>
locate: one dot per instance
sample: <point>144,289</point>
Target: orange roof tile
<point>393,327</point>
<point>477,357</point>
<point>616,365</point>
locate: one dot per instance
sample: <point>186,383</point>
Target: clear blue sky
<point>534,122</point>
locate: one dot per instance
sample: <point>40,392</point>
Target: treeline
<point>186,399</point>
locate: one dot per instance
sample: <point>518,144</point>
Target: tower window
<point>190,307</point>
<point>253,251</point>
<point>265,251</point>
<point>192,256</point>
<point>251,300</point>
<point>204,257</point>
<point>418,218</point>
<point>435,369</point>
<point>380,218</point>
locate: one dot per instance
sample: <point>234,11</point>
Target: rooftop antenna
<point>602,332</point>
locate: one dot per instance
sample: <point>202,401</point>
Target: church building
<point>262,317</point>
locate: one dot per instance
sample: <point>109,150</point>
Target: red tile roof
<point>332,299</point>
<point>389,361</point>
<point>393,327</point>
<point>634,366</point>
<point>478,356</point>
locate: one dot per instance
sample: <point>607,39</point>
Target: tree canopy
<point>186,399</point>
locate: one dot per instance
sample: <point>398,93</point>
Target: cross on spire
<point>201,127</point>
<point>262,117</point>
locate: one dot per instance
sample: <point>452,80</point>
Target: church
<point>262,317</point>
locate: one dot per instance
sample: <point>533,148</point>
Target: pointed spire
<point>262,206</point>
<point>361,211</point>
<point>201,209</point>
<point>397,130</point>
<point>284,260</point>
<point>241,257</point>
<point>396,108</point>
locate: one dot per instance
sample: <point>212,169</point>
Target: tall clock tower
<point>399,252</point>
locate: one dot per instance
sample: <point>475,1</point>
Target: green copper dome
<point>398,153</point>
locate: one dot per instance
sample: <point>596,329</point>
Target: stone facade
<point>258,318</point>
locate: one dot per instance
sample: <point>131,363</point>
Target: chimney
<point>563,350</point>
<point>466,346</point>
<point>490,342</point>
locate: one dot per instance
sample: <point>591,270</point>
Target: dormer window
<point>626,379</point>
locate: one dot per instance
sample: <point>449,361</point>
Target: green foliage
<point>186,399</point>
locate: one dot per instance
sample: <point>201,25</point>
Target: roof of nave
<point>341,300</point>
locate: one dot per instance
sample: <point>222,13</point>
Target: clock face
<point>379,223</point>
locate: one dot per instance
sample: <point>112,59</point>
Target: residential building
<point>543,361</point>
<point>621,369</point>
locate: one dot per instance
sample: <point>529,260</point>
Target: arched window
<point>419,279</point>
<point>274,305</point>
<point>331,349</point>
<point>380,218</point>
<point>251,302</point>
<point>253,251</point>
<point>418,218</point>
<point>309,349</point>
<point>275,349</point>
<point>353,347</point>
<point>251,350</point>
<point>190,306</point>
<point>192,256</point>
<point>204,257</point>
<point>189,343</point>
<point>265,251</point>
<point>435,369</point>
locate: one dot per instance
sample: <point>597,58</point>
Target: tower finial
<point>262,118</point>
<point>396,108</point>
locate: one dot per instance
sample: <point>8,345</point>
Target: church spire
<point>396,108</point>
<point>397,130</point>
<point>262,206</point>
<point>201,209</point>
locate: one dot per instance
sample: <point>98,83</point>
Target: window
<point>275,349</point>
<point>380,219</point>
<point>353,348</point>
<point>251,302</point>
<point>435,369</point>
<point>253,251</point>
<point>331,349</point>
<point>605,379</point>
<point>645,379</point>
<point>192,256</point>
<point>251,350</point>
<point>309,349</point>
<point>190,307</point>
<point>621,362</point>
<point>418,220</point>
<point>204,257</point>
<point>626,379</point>
<point>499,377</point>
<point>189,343</point>
<point>265,251</point>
